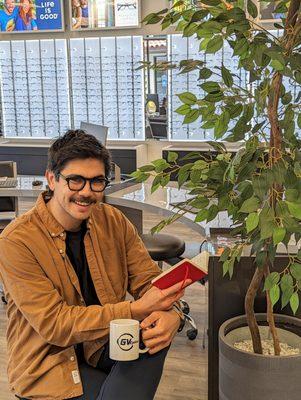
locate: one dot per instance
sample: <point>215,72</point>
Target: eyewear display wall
<point>48,86</point>
<point>43,93</point>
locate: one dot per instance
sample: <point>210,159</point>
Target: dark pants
<point>122,380</point>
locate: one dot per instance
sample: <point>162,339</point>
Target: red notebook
<point>194,269</point>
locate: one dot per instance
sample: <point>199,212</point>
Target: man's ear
<point>50,179</point>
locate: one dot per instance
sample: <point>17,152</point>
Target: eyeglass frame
<point>90,180</point>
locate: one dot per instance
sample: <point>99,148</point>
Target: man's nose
<point>86,190</point>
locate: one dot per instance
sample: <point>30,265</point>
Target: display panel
<point>102,14</point>
<point>31,16</point>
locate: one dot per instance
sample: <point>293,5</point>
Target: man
<point>8,16</point>
<point>66,266</point>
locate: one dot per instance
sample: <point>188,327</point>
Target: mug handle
<point>143,351</point>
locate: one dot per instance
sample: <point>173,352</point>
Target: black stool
<point>163,247</point>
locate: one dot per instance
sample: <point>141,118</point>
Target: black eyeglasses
<point>76,183</point>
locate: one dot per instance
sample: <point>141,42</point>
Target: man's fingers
<point>154,342</point>
<point>148,321</point>
<point>155,349</point>
<point>175,288</point>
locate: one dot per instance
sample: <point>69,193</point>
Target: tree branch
<point>249,308</point>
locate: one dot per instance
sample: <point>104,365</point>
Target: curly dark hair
<point>76,144</point>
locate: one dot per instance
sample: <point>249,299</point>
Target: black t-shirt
<point>75,250</point>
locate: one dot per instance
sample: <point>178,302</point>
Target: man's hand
<point>159,329</point>
<point>157,300</point>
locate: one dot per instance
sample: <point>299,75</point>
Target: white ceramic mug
<point>124,340</point>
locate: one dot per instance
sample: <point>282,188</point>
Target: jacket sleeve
<point>45,310</point>
<point>141,268</point>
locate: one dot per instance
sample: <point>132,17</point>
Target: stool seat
<point>162,246</point>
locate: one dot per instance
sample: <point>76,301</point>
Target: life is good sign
<point>49,15</point>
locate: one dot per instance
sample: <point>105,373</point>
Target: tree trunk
<point>249,309</point>
<point>276,137</point>
<point>270,316</point>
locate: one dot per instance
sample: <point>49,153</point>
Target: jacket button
<point>72,358</point>
<point>61,235</point>
<point>53,234</point>
<point>61,251</point>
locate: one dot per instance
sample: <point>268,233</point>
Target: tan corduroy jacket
<point>47,315</point>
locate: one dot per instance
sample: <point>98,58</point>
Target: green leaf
<point>156,183</point>
<point>226,267</point>
<point>252,221</point>
<point>190,29</point>
<point>214,45</point>
<point>286,281</point>
<point>227,76</point>
<point>241,47</point>
<point>205,73</point>
<point>195,176</point>
<point>248,112</point>
<point>140,176</point>
<point>274,294</point>
<point>192,116</point>
<point>165,180</point>
<point>225,254</point>
<point>201,215</point>
<point>183,109</point>
<point>212,212</point>
<point>172,156</point>
<point>200,202</point>
<point>287,288</point>
<point>250,205</point>
<point>277,65</point>
<point>297,169</point>
<point>278,235</point>
<point>212,26</point>
<point>267,229</point>
<point>221,126</point>
<point>235,110</point>
<point>294,302</point>
<point>271,280</point>
<point>160,165</point>
<point>182,177</point>
<point>252,9</point>
<point>147,168</point>
<point>296,271</point>
<point>187,98</point>
<point>294,209</point>
<point>210,87</point>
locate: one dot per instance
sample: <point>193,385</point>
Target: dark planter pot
<point>250,376</point>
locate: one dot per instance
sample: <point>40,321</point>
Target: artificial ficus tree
<point>260,185</point>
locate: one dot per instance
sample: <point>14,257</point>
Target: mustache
<point>89,200</point>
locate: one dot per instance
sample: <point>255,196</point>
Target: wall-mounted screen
<point>31,16</point>
<point>102,14</point>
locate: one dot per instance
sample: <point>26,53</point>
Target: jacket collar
<point>52,225</point>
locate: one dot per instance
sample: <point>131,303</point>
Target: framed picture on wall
<point>105,14</point>
<point>28,16</point>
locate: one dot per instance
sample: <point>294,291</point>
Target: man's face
<point>76,206</point>
<point>9,5</point>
